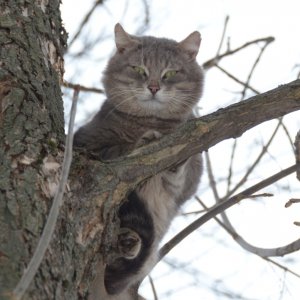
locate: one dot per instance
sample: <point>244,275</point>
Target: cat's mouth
<point>152,99</point>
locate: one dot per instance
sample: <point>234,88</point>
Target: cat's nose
<point>153,87</point>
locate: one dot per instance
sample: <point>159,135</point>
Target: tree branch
<point>212,62</point>
<point>200,134</point>
<point>222,206</point>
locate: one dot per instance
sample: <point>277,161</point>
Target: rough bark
<point>31,130</point>
<point>31,135</point>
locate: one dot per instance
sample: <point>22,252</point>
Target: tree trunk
<point>31,136</point>
<point>31,150</point>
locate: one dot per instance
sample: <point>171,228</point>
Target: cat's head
<point>151,76</point>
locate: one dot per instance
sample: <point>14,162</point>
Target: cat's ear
<point>123,39</point>
<point>191,44</point>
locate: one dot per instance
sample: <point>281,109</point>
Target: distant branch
<point>236,238</point>
<point>220,207</point>
<point>212,62</point>
<point>237,80</point>
<point>297,153</point>
<point>223,36</point>
<point>84,21</point>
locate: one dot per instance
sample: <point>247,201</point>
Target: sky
<point>213,263</point>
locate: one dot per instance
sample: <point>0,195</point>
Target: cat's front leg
<point>174,178</point>
<point>148,137</point>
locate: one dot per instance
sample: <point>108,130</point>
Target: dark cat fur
<point>152,85</point>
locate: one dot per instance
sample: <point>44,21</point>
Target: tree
<point>32,148</point>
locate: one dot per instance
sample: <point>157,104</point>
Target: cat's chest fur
<point>131,128</point>
<point>159,194</point>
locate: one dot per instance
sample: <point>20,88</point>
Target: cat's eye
<point>139,70</point>
<point>170,74</point>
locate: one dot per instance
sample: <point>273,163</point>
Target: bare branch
<point>82,88</point>
<point>143,27</point>
<point>281,266</point>
<point>223,36</point>
<point>212,62</point>
<point>222,206</point>
<point>292,201</point>
<point>240,241</point>
<point>289,203</point>
<point>200,134</point>
<point>153,288</point>
<point>297,146</point>
<point>236,79</point>
<point>263,252</point>
<point>230,169</point>
<point>256,162</point>
<point>84,21</point>
<point>212,181</point>
<point>254,66</point>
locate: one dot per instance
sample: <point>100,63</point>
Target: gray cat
<point>152,85</point>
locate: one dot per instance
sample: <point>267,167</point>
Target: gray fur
<point>139,106</point>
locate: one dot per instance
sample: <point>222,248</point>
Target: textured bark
<point>31,129</point>
<point>31,136</point>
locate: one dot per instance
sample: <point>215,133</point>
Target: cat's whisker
<point>117,106</point>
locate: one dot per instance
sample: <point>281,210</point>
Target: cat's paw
<point>148,137</point>
<point>129,243</point>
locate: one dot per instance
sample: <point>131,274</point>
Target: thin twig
<point>236,79</point>
<point>212,181</point>
<point>285,129</point>
<point>46,236</point>
<point>84,21</point>
<point>281,266</point>
<point>153,288</point>
<point>297,153</point>
<point>223,36</point>
<point>212,62</point>
<point>82,88</point>
<point>262,50</point>
<point>222,206</point>
<point>255,163</point>
<point>292,201</point>
<point>263,252</point>
<point>289,203</point>
<point>237,237</point>
<point>146,22</point>
<point>230,169</point>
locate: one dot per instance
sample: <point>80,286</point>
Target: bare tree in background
<point>32,149</point>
